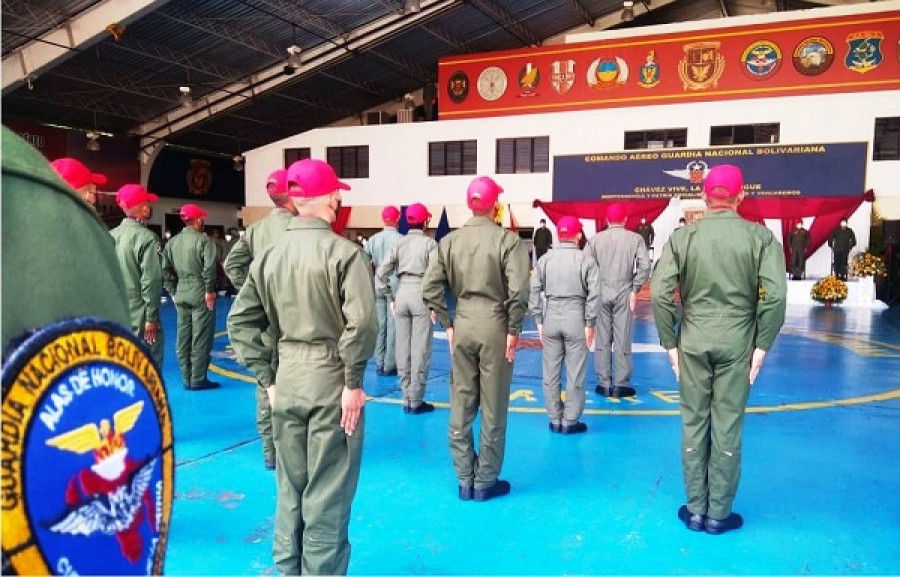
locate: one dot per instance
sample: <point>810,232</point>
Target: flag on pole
<point>402,225</point>
<point>443,227</point>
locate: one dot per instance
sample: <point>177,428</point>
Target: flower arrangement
<point>867,264</point>
<point>829,290</point>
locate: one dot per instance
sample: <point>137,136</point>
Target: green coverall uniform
<point>569,279</point>
<point>44,280</point>
<point>841,241</point>
<point>315,289</point>
<point>730,273</point>
<point>408,259</point>
<point>385,346</point>
<point>189,269</point>
<point>259,236</point>
<point>798,240</point>
<point>138,251</point>
<point>486,269</point>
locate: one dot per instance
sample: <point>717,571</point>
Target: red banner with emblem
<point>822,55</point>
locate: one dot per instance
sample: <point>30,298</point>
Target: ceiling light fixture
<point>238,163</point>
<point>93,141</point>
<point>294,61</point>
<point>185,98</point>
<point>628,9</point>
<point>412,7</point>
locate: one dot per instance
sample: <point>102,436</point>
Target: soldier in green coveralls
<point>79,178</point>
<point>730,273</point>
<point>316,288</point>
<point>486,269</point>
<point>189,269</point>
<point>378,249</point>
<point>44,282</point>
<point>138,250</point>
<point>260,236</point>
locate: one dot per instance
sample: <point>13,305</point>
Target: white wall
<point>398,153</point>
<point>219,212</point>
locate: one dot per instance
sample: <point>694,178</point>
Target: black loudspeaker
<point>890,231</point>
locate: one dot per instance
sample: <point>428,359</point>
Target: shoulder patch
<point>88,458</point>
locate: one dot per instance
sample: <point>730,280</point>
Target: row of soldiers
<point>305,323</point>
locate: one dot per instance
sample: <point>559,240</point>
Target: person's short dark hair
<point>543,221</point>
<point>682,219</point>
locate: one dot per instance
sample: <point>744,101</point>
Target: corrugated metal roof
<point>116,85</point>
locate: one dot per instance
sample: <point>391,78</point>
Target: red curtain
<point>828,212</point>
<point>596,210</point>
<point>343,216</point>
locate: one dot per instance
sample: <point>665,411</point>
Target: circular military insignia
<point>604,74</point>
<point>813,56</point>
<point>492,83</point>
<point>88,462</point>
<point>458,86</point>
<point>529,78</point>
<point>761,60</point>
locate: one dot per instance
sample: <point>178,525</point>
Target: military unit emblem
<point>458,87</point>
<point>702,65</point>
<point>864,51</point>
<point>492,83</point>
<point>648,75</point>
<point>529,78</point>
<point>562,75</point>
<point>604,74</point>
<point>761,59</point>
<point>813,56</point>
<point>87,453</point>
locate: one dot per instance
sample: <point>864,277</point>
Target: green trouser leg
<point>714,389</point>
<point>317,468</point>
<point>414,335</point>
<point>481,376</point>
<point>385,356</point>
<point>183,340</point>
<point>203,325</point>
<point>564,340</point>
<point>612,340</point>
<point>264,423</point>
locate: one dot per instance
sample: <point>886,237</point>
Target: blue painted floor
<point>820,491</point>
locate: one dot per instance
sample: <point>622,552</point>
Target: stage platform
<point>860,293</point>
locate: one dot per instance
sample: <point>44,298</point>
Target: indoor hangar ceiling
<point>118,66</point>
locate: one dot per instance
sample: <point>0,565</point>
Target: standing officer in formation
<point>316,288</point>
<point>260,236</point>
<point>378,248</point>
<point>43,284</point>
<point>570,282</point>
<point>408,260</point>
<point>624,265</point>
<point>189,269</point>
<point>647,233</point>
<point>798,241</point>
<point>486,269</point>
<point>542,241</point>
<point>79,177</point>
<point>730,273</point>
<point>139,252</point>
<point>841,241</point>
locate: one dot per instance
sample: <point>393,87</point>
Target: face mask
<point>227,238</point>
<point>843,225</point>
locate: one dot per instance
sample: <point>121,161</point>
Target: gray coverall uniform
<point>486,269</point>
<point>378,248</point>
<point>45,280</point>
<point>624,266</point>
<point>569,280</point>
<point>189,271</point>
<point>258,237</point>
<point>315,288</point>
<point>408,259</point>
<point>139,252</point>
<point>730,273</point>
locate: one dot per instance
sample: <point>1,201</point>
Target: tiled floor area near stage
<point>820,490</point>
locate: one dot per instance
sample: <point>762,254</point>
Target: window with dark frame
<point>523,155</point>
<point>886,144</point>
<point>292,155</point>
<point>662,138</point>
<point>349,161</point>
<point>744,134</point>
<point>452,157</point>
